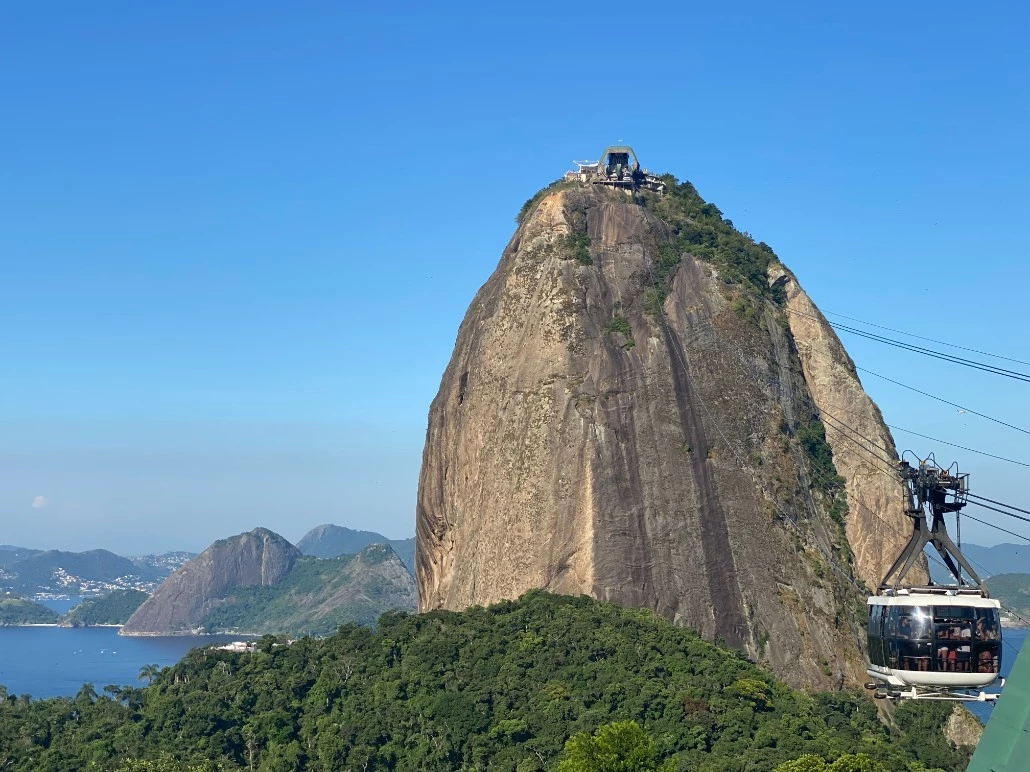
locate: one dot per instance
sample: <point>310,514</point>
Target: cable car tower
<point>933,642</point>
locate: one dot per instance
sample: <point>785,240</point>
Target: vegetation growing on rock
<point>699,228</point>
<point>318,595</point>
<point>620,324</point>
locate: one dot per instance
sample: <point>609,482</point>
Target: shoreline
<point>219,634</point>
<point>57,624</point>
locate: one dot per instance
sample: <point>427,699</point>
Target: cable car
<point>940,642</point>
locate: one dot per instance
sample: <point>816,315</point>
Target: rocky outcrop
<point>259,557</point>
<point>321,594</point>
<point>963,729</point>
<point>583,443</point>
<point>863,449</point>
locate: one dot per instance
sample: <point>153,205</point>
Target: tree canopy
<point>547,682</point>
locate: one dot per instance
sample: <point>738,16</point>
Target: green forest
<point>19,611</point>
<point>547,682</point>
<point>112,609</point>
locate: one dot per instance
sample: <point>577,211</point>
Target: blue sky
<point>237,239</point>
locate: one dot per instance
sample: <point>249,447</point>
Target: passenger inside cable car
<point>943,639</point>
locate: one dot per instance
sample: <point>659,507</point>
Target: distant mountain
<point>11,554</point>
<point>328,541</point>
<point>179,606</point>
<point>258,582</point>
<point>18,611</point>
<point>989,561</point>
<point>68,572</point>
<point>999,559</point>
<point>161,566</point>
<point>320,594</point>
<point>113,609</point>
<point>1013,590</point>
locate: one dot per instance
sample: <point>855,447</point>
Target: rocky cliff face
<point>861,442</point>
<point>259,557</point>
<point>625,419</point>
<point>357,589</point>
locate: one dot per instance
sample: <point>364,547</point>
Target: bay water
<point>56,661</point>
<point>1012,640</point>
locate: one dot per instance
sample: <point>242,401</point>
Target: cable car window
<point>988,624</point>
<point>915,655</point>
<point>988,657</point>
<point>954,635</point>
<point>878,648</point>
<point>953,657</point>
<point>908,632</point>
<point>875,631</point>
<point>954,623</point>
<point>909,623</point>
<point>953,613</point>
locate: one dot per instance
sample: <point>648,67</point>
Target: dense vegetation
<point>500,688</point>
<point>620,324</point>
<point>811,435</point>
<point>113,609</point>
<point>320,594</point>
<point>699,228</point>
<point>19,611</point>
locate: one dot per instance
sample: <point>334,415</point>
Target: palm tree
<point>149,672</point>
<point>86,695</point>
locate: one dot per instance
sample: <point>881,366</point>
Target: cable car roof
<point>933,599</point>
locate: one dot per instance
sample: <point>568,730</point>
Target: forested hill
<point>19,611</point>
<point>112,609</point>
<point>1013,590</point>
<point>498,688</point>
<point>11,554</point>
<point>330,541</point>
<point>318,595</point>
<point>59,571</point>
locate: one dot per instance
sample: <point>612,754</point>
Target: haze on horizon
<point>237,245</point>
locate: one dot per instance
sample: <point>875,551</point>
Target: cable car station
<point>615,169</point>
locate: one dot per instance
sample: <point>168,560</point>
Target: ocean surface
<point>57,661</point>
<point>62,605</point>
